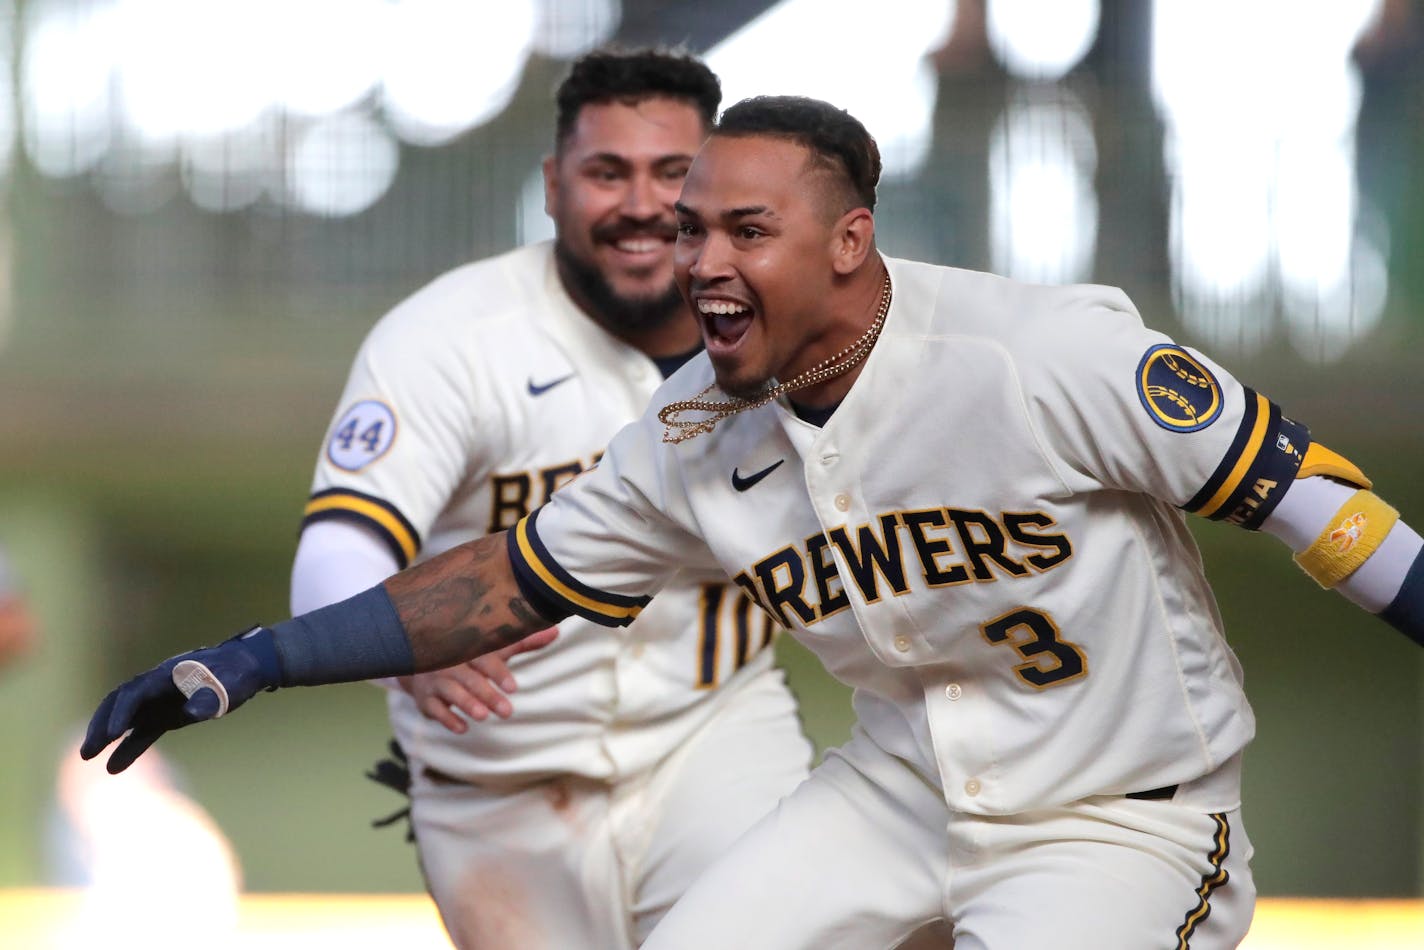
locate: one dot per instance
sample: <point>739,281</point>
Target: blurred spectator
<point>17,624</point>
<point>154,868</point>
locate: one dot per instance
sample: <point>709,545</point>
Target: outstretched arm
<point>454,607</point>
<point>463,604</point>
<point>1351,541</point>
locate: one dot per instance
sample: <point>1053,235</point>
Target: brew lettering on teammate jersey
<point>512,495</point>
<point>939,547</point>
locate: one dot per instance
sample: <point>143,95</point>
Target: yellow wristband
<point>1353,534</point>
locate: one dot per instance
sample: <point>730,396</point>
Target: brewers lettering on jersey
<point>972,507</point>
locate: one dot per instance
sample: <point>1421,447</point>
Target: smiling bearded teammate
<point>633,757</point>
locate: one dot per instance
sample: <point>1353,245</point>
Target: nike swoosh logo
<point>539,389</point>
<point>742,484</point>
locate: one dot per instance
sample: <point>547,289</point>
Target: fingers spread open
<point>433,707</point>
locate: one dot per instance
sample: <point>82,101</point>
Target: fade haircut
<point>838,143</point>
<point>630,76</point>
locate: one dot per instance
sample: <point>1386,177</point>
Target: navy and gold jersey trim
<point>343,504</point>
<point>1258,468</point>
<point>1212,880</point>
<point>536,571</point>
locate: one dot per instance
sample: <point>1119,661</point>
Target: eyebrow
<point>617,159</point>
<point>744,212</point>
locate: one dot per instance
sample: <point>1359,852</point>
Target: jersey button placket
<point>842,502</point>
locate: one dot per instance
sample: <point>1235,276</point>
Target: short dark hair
<point>630,76</point>
<point>835,138</point>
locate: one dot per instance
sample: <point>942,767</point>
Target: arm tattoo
<point>462,604</point>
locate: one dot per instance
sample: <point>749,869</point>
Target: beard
<point>744,389</point>
<point>618,312</point>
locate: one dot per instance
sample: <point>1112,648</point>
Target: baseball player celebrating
<point>636,757</point>
<point>1050,722</point>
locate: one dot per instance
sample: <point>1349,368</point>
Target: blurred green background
<point>167,372</point>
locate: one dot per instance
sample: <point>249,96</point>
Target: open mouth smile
<point>724,323</point>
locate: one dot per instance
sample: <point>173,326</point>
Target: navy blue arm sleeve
<point>358,638</point>
<point>1406,612</point>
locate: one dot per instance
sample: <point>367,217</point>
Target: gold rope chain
<point>680,430</point>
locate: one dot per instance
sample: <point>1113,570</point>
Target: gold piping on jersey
<point>1243,461</point>
<point>344,504</point>
<point>1349,538</point>
<point>605,609</point>
<point>1322,461</point>
<point>1212,880</point>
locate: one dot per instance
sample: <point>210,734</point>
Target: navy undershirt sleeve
<point>1406,612</point>
<point>358,638</point>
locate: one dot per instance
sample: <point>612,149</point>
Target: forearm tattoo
<point>462,604</point>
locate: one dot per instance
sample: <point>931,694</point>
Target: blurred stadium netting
<point>204,204</point>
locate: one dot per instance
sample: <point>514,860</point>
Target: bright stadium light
<point>1260,149</point>
<point>1219,227</point>
<point>452,65</point>
<point>323,55</point>
<point>186,67</point>
<point>341,166</point>
<point>1043,209</point>
<point>64,86</point>
<point>231,171</point>
<point>566,30</point>
<point>892,87</point>
<point>1037,40</point>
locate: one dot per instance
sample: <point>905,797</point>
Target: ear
<point>852,238</point>
<point>551,183</point>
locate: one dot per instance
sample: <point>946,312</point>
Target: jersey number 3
<point>1048,660</point>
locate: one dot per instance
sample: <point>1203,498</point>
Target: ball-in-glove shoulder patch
<point>1178,392</point>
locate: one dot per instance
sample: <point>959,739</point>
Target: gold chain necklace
<point>680,430</point>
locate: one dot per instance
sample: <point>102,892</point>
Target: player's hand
<point>190,687</point>
<point>477,688</point>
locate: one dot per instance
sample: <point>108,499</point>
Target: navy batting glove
<point>188,688</point>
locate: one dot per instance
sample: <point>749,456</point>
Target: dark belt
<point>1155,794</point>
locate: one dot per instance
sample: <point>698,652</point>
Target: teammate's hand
<point>476,688</point>
<point>190,687</point>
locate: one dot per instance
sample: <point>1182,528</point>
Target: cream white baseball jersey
<point>467,406</point>
<point>986,540</point>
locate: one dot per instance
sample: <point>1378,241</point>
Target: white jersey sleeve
<point>398,447</point>
<point>627,522</point>
<point>1119,406</point>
